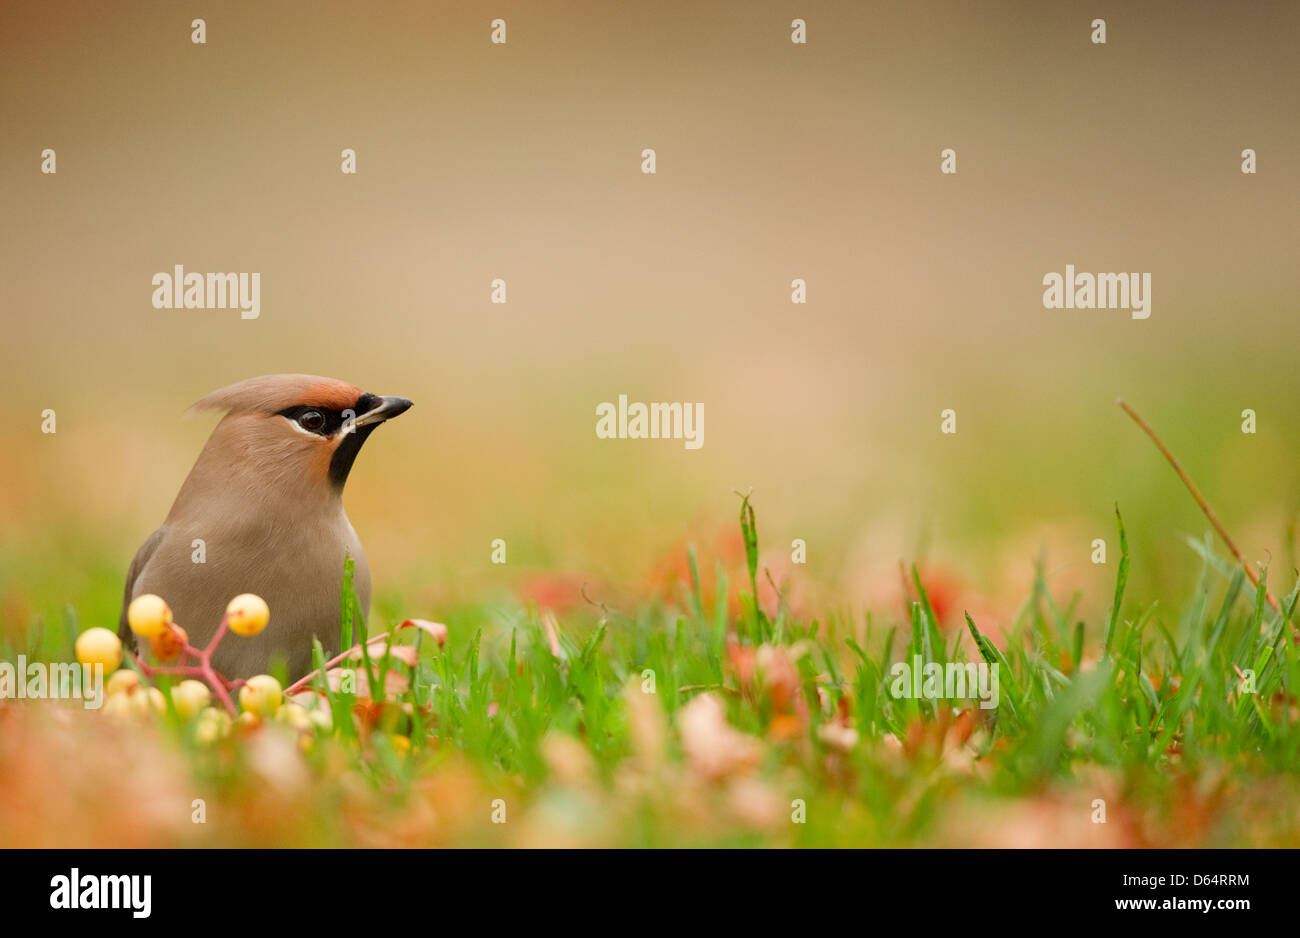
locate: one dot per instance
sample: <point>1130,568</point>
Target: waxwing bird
<point>265,502</point>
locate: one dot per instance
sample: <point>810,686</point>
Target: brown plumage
<point>265,498</point>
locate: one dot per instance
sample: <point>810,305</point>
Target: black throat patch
<point>331,422</point>
<point>346,454</point>
<point>350,445</point>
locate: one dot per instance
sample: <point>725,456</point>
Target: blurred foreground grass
<point>713,714</point>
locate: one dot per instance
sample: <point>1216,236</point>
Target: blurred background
<point>775,161</point>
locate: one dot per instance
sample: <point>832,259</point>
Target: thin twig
<point>604,611</point>
<point>780,594</point>
<point>307,678</point>
<point>907,589</point>
<point>1200,500</point>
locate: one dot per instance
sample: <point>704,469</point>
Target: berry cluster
<point>260,697</point>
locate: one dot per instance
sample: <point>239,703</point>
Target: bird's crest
<point>273,393</point>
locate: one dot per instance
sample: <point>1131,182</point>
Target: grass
<point>545,716</point>
<point>707,719</point>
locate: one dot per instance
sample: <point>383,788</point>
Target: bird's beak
<point>386,409</point>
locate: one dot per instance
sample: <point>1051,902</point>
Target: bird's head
<point>303,429</point>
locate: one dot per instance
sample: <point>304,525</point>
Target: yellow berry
<point>321,718</point>
<point>248,721</point>
<point>190,697</point>
<point>149,701</point>
<point>212,725</point>
<point>124,681</point>
<point>168,644</point>
<point>99,646</point>
<point>260,695</point>
<point>247,614</point>
<point>148,615</point>
<point>118,706</point>
<point>295,715</point>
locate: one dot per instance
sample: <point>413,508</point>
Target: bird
<point>262,512</point>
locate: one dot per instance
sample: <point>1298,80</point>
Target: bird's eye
<point>313,421</point>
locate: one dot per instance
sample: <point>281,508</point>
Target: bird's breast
<point>295,564</point>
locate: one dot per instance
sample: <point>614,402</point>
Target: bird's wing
<point>142,557</point>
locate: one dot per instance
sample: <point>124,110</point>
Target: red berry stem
<point>302,681</point>
<point>203,669</point>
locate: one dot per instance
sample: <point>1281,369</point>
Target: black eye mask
<point>318,420</point>
<point>325,423</point>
